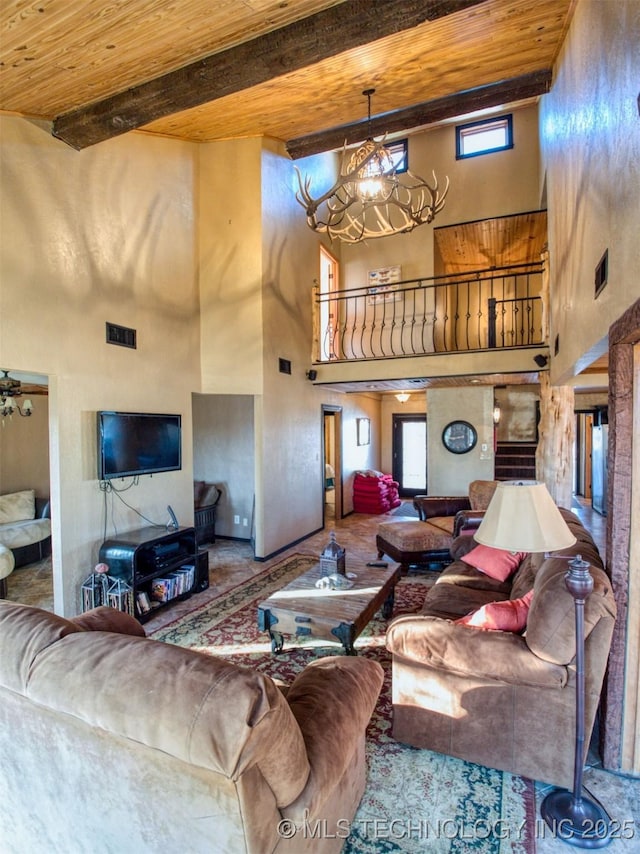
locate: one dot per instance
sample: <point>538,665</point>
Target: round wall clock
<point>459,437</point>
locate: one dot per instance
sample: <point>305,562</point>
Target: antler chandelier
<point>369,199</point>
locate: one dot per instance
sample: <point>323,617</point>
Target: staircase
<point>515,461</point>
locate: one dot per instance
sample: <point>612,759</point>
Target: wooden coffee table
<point>303,610</point>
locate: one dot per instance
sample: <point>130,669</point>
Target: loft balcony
<point>483,322</point>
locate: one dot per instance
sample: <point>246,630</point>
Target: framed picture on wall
<point>363,426</point>
<point>382,285</point>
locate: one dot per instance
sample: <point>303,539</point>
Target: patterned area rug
<point>32,585</point>
<point>415,800</point>
<point>406,509</point>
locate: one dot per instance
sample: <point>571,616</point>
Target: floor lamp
<point>522,517</point>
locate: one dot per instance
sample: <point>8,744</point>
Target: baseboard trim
<point>288,546</point>
<point>271,555</point>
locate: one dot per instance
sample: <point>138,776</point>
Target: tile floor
<point>231,563</point>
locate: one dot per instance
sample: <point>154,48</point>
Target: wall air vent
<point>121,335</point>
<point>284,366</point>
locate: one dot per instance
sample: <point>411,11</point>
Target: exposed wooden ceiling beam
<point>458,104</point>
<point>305,42</point>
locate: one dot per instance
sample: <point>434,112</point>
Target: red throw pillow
<point>507,616</point>
<point>496,563</point>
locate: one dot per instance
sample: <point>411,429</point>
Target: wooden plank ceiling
<point>294,70</point>
<point>421,384</point>
<point>500,242</point>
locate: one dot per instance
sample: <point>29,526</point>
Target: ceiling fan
<point>10,387</point>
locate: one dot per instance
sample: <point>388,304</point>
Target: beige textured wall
<point>230,266</point>
<point>106,234</point>
<point>24,450</point>
<point>590,137</point>
<point>224,453</point>
<point>289,421</point>
<point>451,474</point>
<point>517,413</point>
<point>258,264</point>
<point>590,142</point>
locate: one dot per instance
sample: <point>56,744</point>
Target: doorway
<point>331,464</point>
<point>584,426</point>
<point>409,454</point>
<point>25,465</point>
<point>328,307</point>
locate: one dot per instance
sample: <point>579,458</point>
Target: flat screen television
<point>135,443</point>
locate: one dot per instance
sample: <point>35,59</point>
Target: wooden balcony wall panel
<point>499,242</point>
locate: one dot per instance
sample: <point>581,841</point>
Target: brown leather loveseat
<point>505,699</point>
<point>111,741</point>
<point>452,513</point>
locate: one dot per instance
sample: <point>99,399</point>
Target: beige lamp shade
<point>522,517</point>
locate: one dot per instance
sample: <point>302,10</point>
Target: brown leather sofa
<point>110,741</point>
<point>499,698</point>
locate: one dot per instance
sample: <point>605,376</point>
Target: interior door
<point>587,482</point>
<point>409,453</point>
<point>331,463</point>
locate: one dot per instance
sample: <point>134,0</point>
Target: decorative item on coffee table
<point>332,559</point>
<point>333,570</point>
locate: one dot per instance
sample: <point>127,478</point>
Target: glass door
<point>410,454</point>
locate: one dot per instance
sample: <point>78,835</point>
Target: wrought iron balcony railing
<point>487,309</point>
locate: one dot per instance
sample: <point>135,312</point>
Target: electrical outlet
<point>245,522</point>
<point>236,520</point>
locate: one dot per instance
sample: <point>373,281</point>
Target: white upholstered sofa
<point>25,526</point>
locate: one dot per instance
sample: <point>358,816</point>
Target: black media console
<point>160,567</point>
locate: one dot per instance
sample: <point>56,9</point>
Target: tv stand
<point>161,566</point>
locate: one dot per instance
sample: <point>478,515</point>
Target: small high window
<point>484,137</point>
<point>399,153</point>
